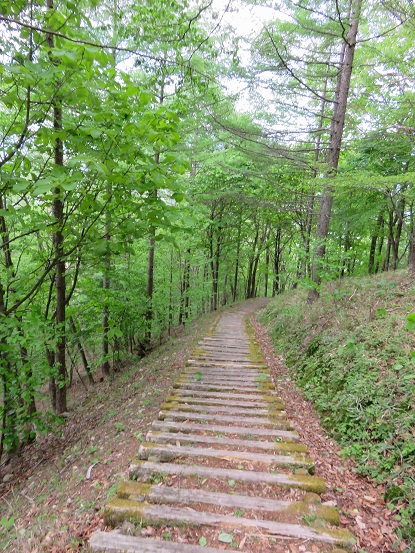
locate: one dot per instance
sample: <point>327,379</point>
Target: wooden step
<point>220,383</point>
<point>248,430</point>
<point>183,406</point>
<point>154,493</point>
<point>143,470</point>
<point>251,379</point>
<point>277,420</point>
<point>268,396</point>
<point>115,542</point>
<point>256,389</point>
<point>169,452</point>
<point>119,509</point>
<point>221,380</point>
<point>238,348</point>
<point>229,402</point>
<point>174,437</point>
<point>243,365</point>
<point>236,375</point>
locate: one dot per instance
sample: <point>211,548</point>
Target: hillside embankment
<point>352,354</point>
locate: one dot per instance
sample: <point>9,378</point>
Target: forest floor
<point>53,491</point>
<point>52,499</point>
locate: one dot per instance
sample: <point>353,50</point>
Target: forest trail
<point>222,467</point>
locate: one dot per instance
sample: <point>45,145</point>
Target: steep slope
<point>353,354</point>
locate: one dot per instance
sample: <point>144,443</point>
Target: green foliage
<point>359,372</point>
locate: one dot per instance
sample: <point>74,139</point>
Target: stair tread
<point>114,542</point>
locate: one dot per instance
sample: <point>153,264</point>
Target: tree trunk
<point>266,272</point>
<point>397,238</point>
<point>277,263</point>
<point>106,284</point>
<point>386,261</point>
<point>411,257</point>
<point>335,141</point>
<point>236,274</point>
<point>81,351</point>
<point>58,241</point>
<point>375,236</point>
<point>151,253</point>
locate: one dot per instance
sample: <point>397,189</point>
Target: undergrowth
<point>353,353</point>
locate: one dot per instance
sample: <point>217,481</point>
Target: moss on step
<point>136,491</point>
<point>312,498</point>
<point>117,510</point>
<point>308,483</point>
<point>318,512</point>
<point>198,351</point>
<point>344,537</point>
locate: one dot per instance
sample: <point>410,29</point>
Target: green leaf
<point>145,98</point>
<point>8,522</point>
<point>95,133</point>
<point>224,537</point>
<point>43,186</point>
<point>69,185</point>
<point>202,541</point>
<point>198,376</point>
<point>20,186</point>
<point>411,322</point>
<point>231,483</point>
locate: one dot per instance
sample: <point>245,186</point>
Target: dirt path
<point>223,467</point>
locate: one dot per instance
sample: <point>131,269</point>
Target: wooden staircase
<point>224,460</point>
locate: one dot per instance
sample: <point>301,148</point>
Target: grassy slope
<point>60,484</point>
<point>352,354</point>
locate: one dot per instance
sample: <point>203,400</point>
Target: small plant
<point>119,426</point>
<point>158,477</point>
<point>8,522</point>
<point>310,518</point>
<point>224,537</point>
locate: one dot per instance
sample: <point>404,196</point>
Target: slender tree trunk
<point>106,285</point>
<point>236,274</point>
<point>215,248</point>
<point>185,284</point>
<point>50,356</point>
<point>386,261</point>
<point>266,272</point>
<point>170,316</point>
<point>397,237</point>
<point>375,237</point>
<point>150,282</point>
<point>335,141</point>
<point>81,351</point>
<point>29,402</point>
<point>225,283</point>
<point>58,242</point>
<point>277,263</point>
<point>151,253</point>
<point>7,407</point>
<point>379,253</point>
